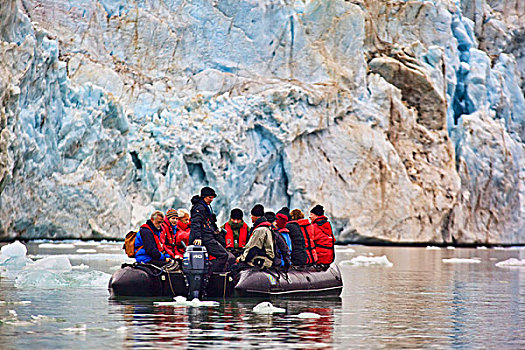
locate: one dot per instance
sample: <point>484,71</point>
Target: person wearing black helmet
<point>204,230</point>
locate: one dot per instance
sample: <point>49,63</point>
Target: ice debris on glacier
<point>368,261</point>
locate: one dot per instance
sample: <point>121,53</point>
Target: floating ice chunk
<point>56,263</point>
<point>87,244</point>
<point>14,249</point>
<point>22,302</point>
<point>451,247</point>
<point>51,279</point>
<point>368,261</point>
<point>512,262</point>
<point>344,250</point>
<point>267,308</point>
<point>461,261</point>
<point>431,247</point>
<point>482,247</point>
<point>180,301</point>
<point>43,318</point>
<point>90,251</point>
<point>56,246</point>
<point>79,328</point>
<point>80,267</point>
<point>308,315</point>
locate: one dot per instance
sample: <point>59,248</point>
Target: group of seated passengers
<point>275,239</point>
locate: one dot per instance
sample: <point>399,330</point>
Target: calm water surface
<point>419,302</point>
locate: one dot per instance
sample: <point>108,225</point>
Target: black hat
<point>236,214</point>
<point>285,211</point>
<point>257,210</point>
<point>208,192</point>
<point>318,210</point>
<point>270,216</point>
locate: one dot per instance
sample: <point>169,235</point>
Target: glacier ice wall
<point>405,119</point>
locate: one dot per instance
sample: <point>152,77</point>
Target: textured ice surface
<point>13,250</point>
<point>368,261</point>
<point>51,279</point>
<point>461,261</point>
<point>266,307</point>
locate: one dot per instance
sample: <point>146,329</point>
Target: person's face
<point>158,220</point>
<point>236,221</point>
<point>313,216</point>
<point>208,199</point>
<point>185,219</point>
<point>254,218</point>
<point>173,220</point>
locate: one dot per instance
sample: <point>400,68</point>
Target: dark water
<point>419,302</point>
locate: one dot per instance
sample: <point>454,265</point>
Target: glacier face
<point>405,119</point>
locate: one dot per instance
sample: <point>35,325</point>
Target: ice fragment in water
<point>57,263</point>
<point>82,250</point>
<point>56,246</point>
<point>52,279</point>
<point>14,249</point>
<point>308,315</point>
<point>368,261</point>
<point>430,247</point>
<point>512,262</point>
<point>267,308</point>
<point>80,267</point>
<point>461,261</point>
<point>182,301</point>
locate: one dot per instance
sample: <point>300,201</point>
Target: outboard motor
<point>195,267</point>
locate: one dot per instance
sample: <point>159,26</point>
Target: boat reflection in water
<point>232,323</point>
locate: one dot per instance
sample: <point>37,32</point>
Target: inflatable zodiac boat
<point>193,280</point>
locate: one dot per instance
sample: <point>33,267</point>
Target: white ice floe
<point>431,247</point>
<point>22,302</point>
<point>56,263</point>
<point>87,244</point>
<point>86,251</point>
<point>56,246</point>
<point>79,328</point>
<point>451,247</point>
<point>512,262</point>
<point>461,261</point>
<point>368,261</point>
<point>13,250</point>
<point>308,315</point>
<point>267,308</point>
<point>180,301</point>
<point>343,249</point>
<point>481,247</point>
<point>80,267</point>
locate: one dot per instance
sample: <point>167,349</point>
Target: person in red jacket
<point>236,233</point>
<point>323,236</point>
<point>169,233</point>
<point>183,222</point>
<point>307,230</point>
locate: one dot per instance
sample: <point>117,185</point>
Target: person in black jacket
<point>299,256</point>
<point>204,230</point>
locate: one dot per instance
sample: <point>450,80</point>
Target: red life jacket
<point>308,233</point>
<point>324,240</point>
<point>157,238</point>
<point>167,239</point>
<point>229,235</point>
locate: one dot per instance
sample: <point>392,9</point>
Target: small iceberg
<point>461,261</point>
<point>13,250</point>
<point>451,247</point>
<point>308,315</point>
<point>180,301</point>
<point>267,308</point>
<point>87,244</point>
<point>431,247</point>
<point>368,261</point>
<point>481,247</point>
<point>512,262</point>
